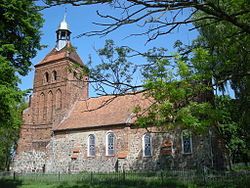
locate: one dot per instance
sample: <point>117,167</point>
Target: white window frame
<point>143,145</point>
<point>88,152</point>
<point>182,142</point>
<point>107,143</point>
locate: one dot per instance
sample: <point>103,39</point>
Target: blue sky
<point>80,20</point>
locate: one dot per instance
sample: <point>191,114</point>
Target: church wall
<point>30,161</point>
<point>68,152</point>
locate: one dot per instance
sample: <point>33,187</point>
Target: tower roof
<point>68,52</point>
<point>63,49</point>
<point>63,25</point>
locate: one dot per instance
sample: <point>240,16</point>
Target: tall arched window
<point>58,99</point>
<point>54,75</point>
<point>91,145</point>
<point>50,105</point>
<point>46,77</point>
<point>186,140</point>
<point>147,145</point>
<point>110,144</point>
<point>41,107</point>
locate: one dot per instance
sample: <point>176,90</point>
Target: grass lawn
<point>7,183</point>
<point>132,180</point>
<point>24,184</point>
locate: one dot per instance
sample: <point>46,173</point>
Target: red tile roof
<point>67,52</point>
<point>103,111</point>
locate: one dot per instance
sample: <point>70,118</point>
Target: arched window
<point>91,145</point>
<point>54,75</point>
<point>110,144</point>
<point>75,74</point>
<point>46,78</point>
<point>58,99</point>
<point>41,107</point>
<point>186,140</point>
<point>50,105</point>
<point>147,145</point>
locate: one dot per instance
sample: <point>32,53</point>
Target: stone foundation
<point>33,161</point>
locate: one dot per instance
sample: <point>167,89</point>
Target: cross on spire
<point>65,14</point>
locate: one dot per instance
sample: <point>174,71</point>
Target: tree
<point>218,57</point>
<point>159,18</point>
<point>229,47</point>
<point>19,41</point>
<point>115,72</point>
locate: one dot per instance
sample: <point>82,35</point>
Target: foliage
<point>159,18</point>
<point>229,47</point>
<point>180,92</point>
<point>230,129</point>
<point>219,56</point>
<point>9,135</point>
<point>19,41</point>
<point>115,72</point>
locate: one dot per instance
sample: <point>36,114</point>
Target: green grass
<point>118,180</point>
<point>126,184</point>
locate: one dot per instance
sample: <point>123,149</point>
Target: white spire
<point>63,33</point>
<point>64,25</point>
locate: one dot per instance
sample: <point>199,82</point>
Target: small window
<point>54,75</point>
<point>110,144</point>
<point>63,35</point>
<point>75,74</point>
<point>91,145</point>
<point>147,145</point>
<point>46,77</point>
<point>186,138</point>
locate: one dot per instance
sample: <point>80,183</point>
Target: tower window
<point>54,75</point>
<point>75,74</point>
<point>46,77</point>
<point>63,35</point>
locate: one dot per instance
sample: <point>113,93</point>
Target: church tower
<point>58,82</point>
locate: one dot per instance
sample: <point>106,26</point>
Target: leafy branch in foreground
<point>115,74</point>
<point>181,95</point>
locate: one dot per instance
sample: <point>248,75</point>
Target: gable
<point>67,52</point>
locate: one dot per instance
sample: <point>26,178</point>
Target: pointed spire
<point>64,25</point>
<point>63,33</point>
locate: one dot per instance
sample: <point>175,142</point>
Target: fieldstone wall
<point>68,152</point>
<point>33,161</point>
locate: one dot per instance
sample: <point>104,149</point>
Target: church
<point>64,130</point>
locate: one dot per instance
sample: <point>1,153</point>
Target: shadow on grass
<point>124,184</point>
<point>9,183</point>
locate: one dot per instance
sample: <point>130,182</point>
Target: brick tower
<point>57,85</point>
